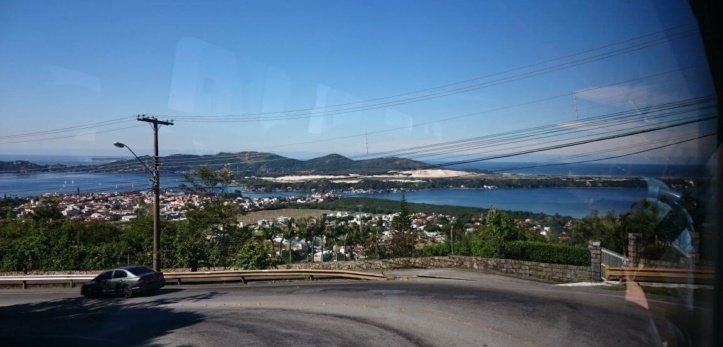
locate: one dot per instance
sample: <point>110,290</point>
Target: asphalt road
<point>454,308</point>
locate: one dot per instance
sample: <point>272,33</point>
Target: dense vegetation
<point>461,213</point>
<point>212,237</point>
<point>208,237</point>
<point>440,183</point>
<point>48,241</point>
<point>500,237</point>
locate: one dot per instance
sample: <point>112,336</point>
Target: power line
<point>520,76</point>
<point>604,119</point>
<point>612,157</point>
<point>688,26</point>
<point>576,143</point>
<point>522,139</point>
<point>67,129</point>
<point>466,115</point>
<point>70,136</point>
<point>607,120</point>
<point>559,163</point>
<point>190,118</point>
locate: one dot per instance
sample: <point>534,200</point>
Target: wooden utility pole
<point>155,124</point>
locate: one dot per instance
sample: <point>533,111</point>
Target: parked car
<point>126,281</point>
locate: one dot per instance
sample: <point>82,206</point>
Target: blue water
<point>71,183</point>
<point>575,202</point>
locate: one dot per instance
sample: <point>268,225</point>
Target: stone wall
<point>524,269</point>
<point>518,268</point>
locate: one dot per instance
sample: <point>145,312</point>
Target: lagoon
<point>575,202</point>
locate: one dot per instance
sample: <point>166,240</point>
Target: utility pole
<point>361,232</point>
<point>155,124</point>
<point>451,244</point>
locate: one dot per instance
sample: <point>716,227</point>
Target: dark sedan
<point>126,281</point>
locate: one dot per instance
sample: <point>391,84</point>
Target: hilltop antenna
<point>366,142</point>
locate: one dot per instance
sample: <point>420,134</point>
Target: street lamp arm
<point>121,145</point>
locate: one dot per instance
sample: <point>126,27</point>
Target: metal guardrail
<point>612,258</point>
<point>669,275</point>
<point>201,277</point>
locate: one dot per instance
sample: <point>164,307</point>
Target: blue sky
<point>67,63</point>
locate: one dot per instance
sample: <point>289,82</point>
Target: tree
<point>403,237</point>
<point>252,255</point>
<point>207,182</point>
<point>647,219</point>
<point>605,229</point>
<point>403,220</point>
<point>488,240</point>
<point>212,224</point>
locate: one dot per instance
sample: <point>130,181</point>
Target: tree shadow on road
<point>94,322</point>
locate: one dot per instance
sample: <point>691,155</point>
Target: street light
<point>122,145</point>
<point>156,206</point>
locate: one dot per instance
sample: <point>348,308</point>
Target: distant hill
<point>243,163</point>
<point>19,166</point>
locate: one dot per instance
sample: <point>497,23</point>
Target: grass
<point>253,217</point>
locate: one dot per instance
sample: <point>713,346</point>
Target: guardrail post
<point>178,281</point>
<point>595,260</point>
<point>243,279</point>
<point>25,284</point>
<point>72,284</point>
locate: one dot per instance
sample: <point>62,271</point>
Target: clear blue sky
<point>67,63</point>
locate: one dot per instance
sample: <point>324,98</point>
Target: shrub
<point>436,249</point>
<point>546,252</point>
<point>252,255</point>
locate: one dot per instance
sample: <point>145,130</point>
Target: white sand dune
<point>396,176</point>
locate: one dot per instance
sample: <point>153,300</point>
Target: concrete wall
<point>518,268</point>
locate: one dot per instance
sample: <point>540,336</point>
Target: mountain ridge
<point>244,163</point>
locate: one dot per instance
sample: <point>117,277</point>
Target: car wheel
<point>127,291</point>
<point>89,292</point>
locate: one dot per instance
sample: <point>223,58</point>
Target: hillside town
<point>126,205</point>
<point>116,207</point>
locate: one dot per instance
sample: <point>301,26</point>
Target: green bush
<point>436,249</point>
<point>546,252</point>
<point>253,255</point>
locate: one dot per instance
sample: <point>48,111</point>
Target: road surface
<point>444,308</point>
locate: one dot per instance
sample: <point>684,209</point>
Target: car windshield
<point>406,172</point>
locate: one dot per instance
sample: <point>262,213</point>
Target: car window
<point>120,274</point>
<point>104,276</point>
<point>140,270</point>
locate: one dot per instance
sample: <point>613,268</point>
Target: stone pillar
<point>633,249</point>
<point>595,267</point>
